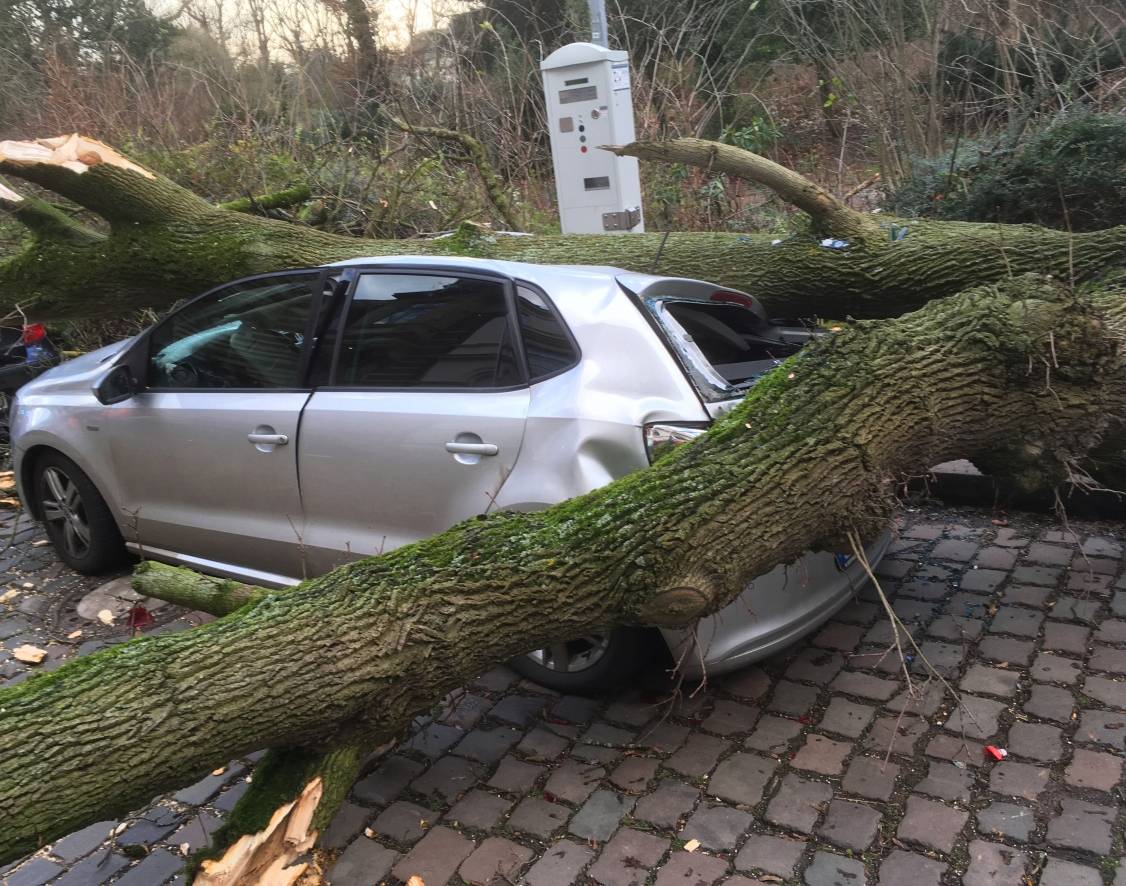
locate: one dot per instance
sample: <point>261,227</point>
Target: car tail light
<point>33,333</point>
<point>660,437</point>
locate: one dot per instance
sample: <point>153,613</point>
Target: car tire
<point>624,653</point>
<point>77,520</point>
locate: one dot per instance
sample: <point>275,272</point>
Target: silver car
<point>280,425</point>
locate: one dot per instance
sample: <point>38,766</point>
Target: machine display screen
<point>598,183</point>
<point>578,94</point>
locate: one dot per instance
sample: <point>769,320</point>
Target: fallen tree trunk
<point>165,243</point>
<point>342,662</point>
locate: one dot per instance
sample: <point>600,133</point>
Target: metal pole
<point>599,32</point>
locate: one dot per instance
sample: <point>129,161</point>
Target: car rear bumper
<point>776,610</point>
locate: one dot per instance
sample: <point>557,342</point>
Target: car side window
<point>427,331</point>
<point>546,343</point>
<point>246,335</point>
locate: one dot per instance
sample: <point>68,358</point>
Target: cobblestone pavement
<point>815,767</point>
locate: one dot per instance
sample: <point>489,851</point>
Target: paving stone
<point>387,782</point>
<point>815,665</point>
<point>667,805</point>
<point>897,733</point>
<point>403,822</point>
<point>1060,637</point>
<point>698,756</point>
<point>498,679</point>
<point>777,856</point>
<point>435,858</point>
<point>35,873</point>
<point>628,858</point>
<point>514,776</point>
<point>664,738</point>
<point>154,825</point>
<point>227,800</point>
<point>842,637</point>
<point>773,734</point>
<point>630,711</point>
<point>93,870</point>
<point>1006,649</point>
<point>1083,581</point>
<point>846,717</point>
<point>496,859</point>
<point>792,698</point>
<point>716,827</point>
<point>1082,825</point>
<point>538,817</point>
<point>1118,603</point>
<point>864,685</point>
<point>1058,872</point>
<point>487,745</point>
<point>950,627</point>
<point>922,589</point>
<point>1015,779</point>
<point>348,821</point>
<point>893,568</point>
<point>600,815</point>
<point>951,549</point>
<point>1110,692</point>
<point>992,864</point>
<point>965,605</point>
<point>901,868</point>
<point>731,717</point>
<point>1094,770</point>
<point>828,869</point>
<point>1027,595</point>
<point>605,735</point>
<point>821,754</point>
<point>858,612</point>
<point>1103,727</point>
<point>634,774</point>
<point>575,709</point>
<point>982,579</point>
<point>83,842</point>
<point>974,716</point>
<point>931,824</point>
<point>1101,546</point>
<point>479,809</point>
<point>518,710</point>
<point>573,781</point>
<point>947,782</point>
<point>1113,630</point>
<point>434,740</point>
<point>1075,609</point>
<point>1037,575</point>
<point>1035,741</point>
<point>1006,820</point>
<point>923,531</point>
<point>204,789</point>
<point>742,778</point>
<point>691,869</point>
<point>1050,703</point>
<point>851,825</point>
<point>798,803</point>
<point>1107,658</point>
<point>996,558</point>
<point>749,683</point>
<point>542,745</point>
<point>157,867</point>
<point>448,778</point>
<point>924,700</point>
<point>363,863</point>
<point>946,658</point>
<point>870,777</point>
<point>1049,555</point>
<point>1016,620</point>
<point>990,681</point>
<point>1049,668</point>
<point>560,865</point>
<point>466,710</point>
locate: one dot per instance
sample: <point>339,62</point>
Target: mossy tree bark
<point>342,662</point>
<point>164,243</point>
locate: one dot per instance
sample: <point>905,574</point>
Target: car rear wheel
<point>590,665</point>
<point>76,517</point>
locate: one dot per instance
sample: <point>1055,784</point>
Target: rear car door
<point>421,416</point>
<point>206,453</point>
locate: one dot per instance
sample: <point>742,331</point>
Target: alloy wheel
<point>64,509</point>
<point>574,655</point>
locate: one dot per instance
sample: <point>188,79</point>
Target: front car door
<point>422,416</point>
<point>206,453</point>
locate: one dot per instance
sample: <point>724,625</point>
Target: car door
<point>422,417</point>
<point>206,453</point>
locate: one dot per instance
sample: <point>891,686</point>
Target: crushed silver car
<point>280,425</point>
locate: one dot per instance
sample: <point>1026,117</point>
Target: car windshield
<point>724,345</point>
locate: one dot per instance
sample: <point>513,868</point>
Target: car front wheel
<point>590,665</point>
<point>76,517</point>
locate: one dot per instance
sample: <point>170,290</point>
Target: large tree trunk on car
<point>165,243</point>
<point>1025,368</point>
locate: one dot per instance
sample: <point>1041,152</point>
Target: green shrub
<point>1071,173</point>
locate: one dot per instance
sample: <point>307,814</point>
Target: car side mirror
<point>118,385</point>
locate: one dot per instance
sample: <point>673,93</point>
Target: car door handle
<point>268,439</point>
<point>472,448</point>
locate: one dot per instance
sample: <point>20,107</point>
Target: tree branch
<point>45,220</point>
<point>830,216</point>
<point>174,584</point>
<point>277,200</point>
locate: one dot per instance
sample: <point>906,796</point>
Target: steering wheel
<point>184,374</point>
